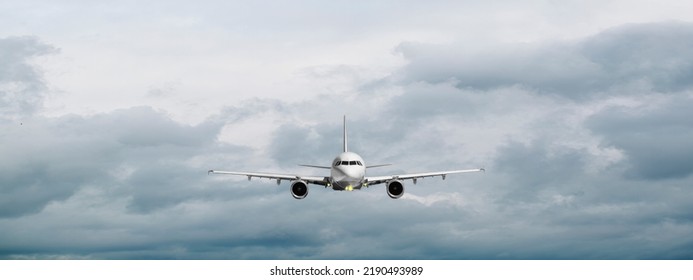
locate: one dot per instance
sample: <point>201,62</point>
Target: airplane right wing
<point>308,179</point>
<point>374,180</point>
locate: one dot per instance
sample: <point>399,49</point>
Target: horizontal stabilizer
<point>378,165</point>
<point>315,166</point>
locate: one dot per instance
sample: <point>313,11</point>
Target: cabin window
<point>345,163</point>
<point>359,163</point>
<point>353,162</point>
<point>337,163</point>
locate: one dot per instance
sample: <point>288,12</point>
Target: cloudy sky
<point>581,112</point>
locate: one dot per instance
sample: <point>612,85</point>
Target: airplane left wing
<point>274,176</point>
<point>374,180</point>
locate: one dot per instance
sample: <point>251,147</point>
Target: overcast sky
<point>581,112</point>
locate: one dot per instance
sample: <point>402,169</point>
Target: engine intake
<point>299,189</point>
<point>395,189</point>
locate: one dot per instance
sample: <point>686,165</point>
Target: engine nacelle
<point>299,189</point>
<point>395,189</point>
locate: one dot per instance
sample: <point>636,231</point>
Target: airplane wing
<point>273,176</point>
<point>374,180</point>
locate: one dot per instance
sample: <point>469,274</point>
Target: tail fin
<point>345,135</point>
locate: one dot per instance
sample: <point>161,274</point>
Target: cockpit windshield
<point>351,162</point>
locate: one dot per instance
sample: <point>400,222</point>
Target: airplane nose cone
<point>339,175</point>
<point>355,173</point>
<point>348,174</point>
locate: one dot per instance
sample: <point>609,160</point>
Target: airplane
<point>347,173</point>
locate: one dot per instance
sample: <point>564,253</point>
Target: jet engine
<point>395,189</point>
<point>299,189</point>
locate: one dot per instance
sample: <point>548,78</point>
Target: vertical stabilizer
<point>345,135</point>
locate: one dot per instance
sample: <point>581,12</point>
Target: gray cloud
<point>647,56</point>
<point>22,87</point>
<point>581,214</point>
<point>51,159</point>
<point>294,143</point>
<point>548,169</point>
<point>659,54</point>
<point>656,140</point>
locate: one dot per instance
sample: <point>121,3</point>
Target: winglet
<point>345,135</point>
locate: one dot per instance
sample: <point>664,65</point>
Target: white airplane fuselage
<point>347,172</point>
